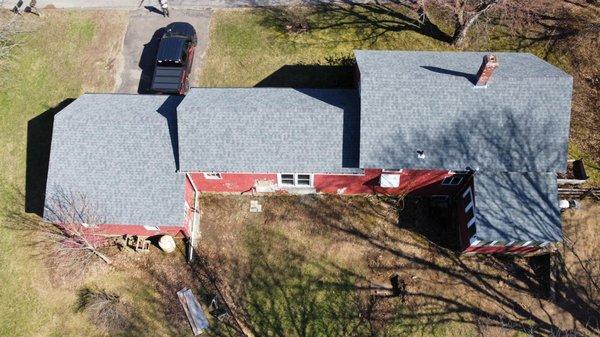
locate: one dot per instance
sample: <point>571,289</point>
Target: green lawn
<point>248,48</point>
<point>44,71</point>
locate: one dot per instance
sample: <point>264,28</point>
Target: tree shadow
<point>39,139</point>
<point>374,19</point>
<point>148,61</point>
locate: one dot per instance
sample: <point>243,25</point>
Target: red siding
<point>500,249</point>
<point>411,181</point>
<point>230,182</point>
<point>414,181</point>
<point>118,230</point>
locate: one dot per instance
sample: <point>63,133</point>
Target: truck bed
<point>166,79</point>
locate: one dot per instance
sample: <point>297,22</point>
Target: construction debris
<point>255,207</point>
<point>193,311</point>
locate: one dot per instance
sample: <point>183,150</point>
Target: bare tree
<point>8,30</point>
<point>74,221</point>
<point>465,14</point>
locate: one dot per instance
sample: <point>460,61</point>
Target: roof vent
<point>420,154</point>
<point>490,62</point>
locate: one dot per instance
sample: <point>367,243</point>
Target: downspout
<point>195,222</point>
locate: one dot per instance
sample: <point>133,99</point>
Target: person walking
<point>17,8</point>
<point>32,8</point>
<point>164,7</point>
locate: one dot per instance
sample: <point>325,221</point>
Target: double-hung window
<point>295,180</point>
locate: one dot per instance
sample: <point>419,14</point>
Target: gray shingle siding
<point>427,101</point>
<point>116,150</point>
<point>269,130</point>
<point>517,207</point>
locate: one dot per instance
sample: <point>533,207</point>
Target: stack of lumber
<point>193,311</point>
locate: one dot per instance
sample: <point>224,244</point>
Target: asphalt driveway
<point>141,43</point>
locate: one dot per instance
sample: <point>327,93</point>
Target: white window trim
<point>212,175</point>
<point>470,205</point>
<point>295,184</point>
<point>450,178</point>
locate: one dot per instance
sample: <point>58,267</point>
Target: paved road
<point>134,4</point>
<point>141,43</point>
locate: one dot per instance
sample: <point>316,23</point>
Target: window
<point>287,179</point>
<point>151,228</point>
<point>453,180</point>
<point>469,211</point>
<point>303,180</point>
<point>212,175</point>
<point>295,179</point>
<point>468,199</point>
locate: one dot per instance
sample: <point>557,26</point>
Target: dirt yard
<point>321,265</point>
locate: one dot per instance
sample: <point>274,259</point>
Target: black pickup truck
<point>174,59</point>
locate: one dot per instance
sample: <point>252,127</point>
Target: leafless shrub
<point>9,30</point>
<point>105,309</point>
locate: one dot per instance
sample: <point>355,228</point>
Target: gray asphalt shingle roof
<point>269,130</point>
<point>517,206</point>
<point>118,152</point>
<point>426,101</point>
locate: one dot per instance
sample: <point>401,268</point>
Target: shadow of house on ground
<point>148,61</point>
<point>39,139</point>
<point>310,76</point>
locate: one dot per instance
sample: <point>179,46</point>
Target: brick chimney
<point>490,62</point>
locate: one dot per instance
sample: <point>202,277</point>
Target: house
<point>490,136</point>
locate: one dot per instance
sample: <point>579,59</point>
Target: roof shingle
<point>269,130</point>
<point>426,101</point>
<point>119,152</point>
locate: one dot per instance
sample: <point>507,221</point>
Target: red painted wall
<point>119,230</point>
<point>500,249</point>
<point>413,181</point>
<point>230,182</point>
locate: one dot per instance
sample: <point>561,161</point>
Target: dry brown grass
<point>366,239</point>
